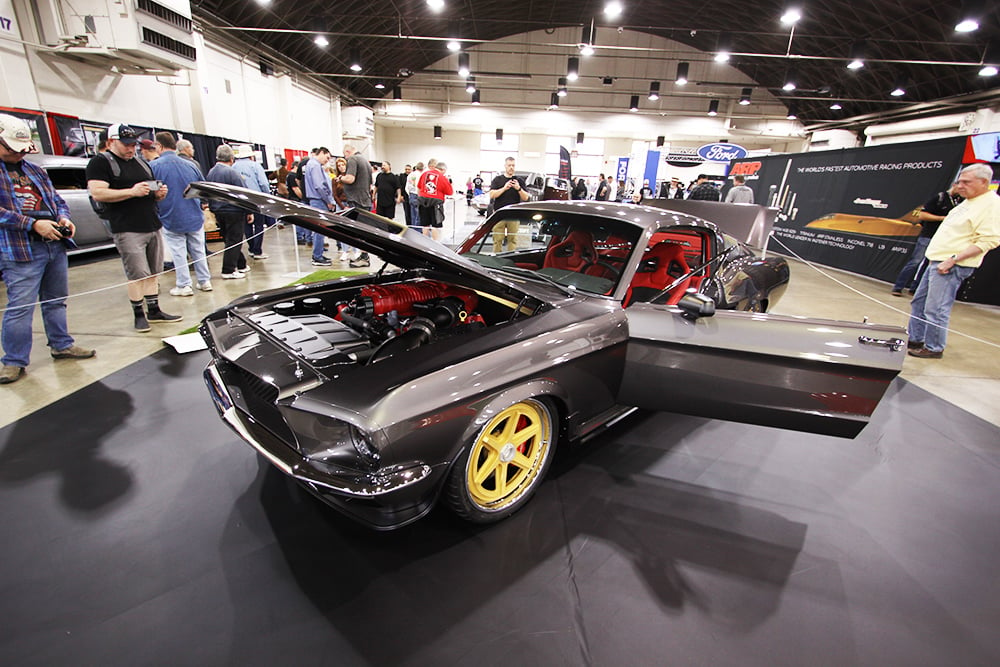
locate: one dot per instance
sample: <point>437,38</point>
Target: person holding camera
<point>506,189</point>
<point>35,229</point>
<point>125,185</point>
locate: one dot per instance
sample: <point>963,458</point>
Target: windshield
<point>575,250</point>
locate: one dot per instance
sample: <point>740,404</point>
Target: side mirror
<point>694,305</point>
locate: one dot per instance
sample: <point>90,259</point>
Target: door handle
<point>891,343</point>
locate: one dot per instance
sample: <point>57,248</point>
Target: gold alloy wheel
<point>508,455</point>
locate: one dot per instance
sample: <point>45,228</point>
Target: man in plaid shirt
<point>34,230</point>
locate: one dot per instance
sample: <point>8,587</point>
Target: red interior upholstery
<point>661,265</point>
<point>575,253</point>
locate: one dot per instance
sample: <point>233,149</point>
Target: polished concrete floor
<point>100,317</point>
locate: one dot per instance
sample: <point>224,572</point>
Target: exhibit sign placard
<point>855,208</point>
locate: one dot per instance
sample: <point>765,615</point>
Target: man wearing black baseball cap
<point>34,228</point>
<point>129,191</point>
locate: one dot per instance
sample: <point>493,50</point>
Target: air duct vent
<point>154,38</point>
<point>164,14</point>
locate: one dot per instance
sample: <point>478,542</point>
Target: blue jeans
<point>255,234</point>
<point>415,211</point>
<point>932,302</point>
<point>182,244</point>
<point>45,277</point>
<point>909,270</point>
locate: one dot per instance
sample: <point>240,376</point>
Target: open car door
<point>821,376</point>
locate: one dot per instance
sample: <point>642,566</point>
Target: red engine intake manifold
<point>401,297</point>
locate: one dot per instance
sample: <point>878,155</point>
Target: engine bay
<point>368,324</point>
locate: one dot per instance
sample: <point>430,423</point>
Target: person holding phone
<point>34,230</point>
<point>122,182</point>
<point>506,189</point>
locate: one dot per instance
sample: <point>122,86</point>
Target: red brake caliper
<point>522,422</point>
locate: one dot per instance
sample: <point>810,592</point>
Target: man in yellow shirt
<point>969,231</point>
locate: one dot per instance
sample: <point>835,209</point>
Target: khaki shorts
<point>142,253</point>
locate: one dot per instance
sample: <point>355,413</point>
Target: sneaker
<point>360,261</point>
<point>897,292</point>
<point>10,374</point>
<point>160,316</point>
<point>924,353</point>
<point>73,352</point>
<point>322,261</point>
<point>344,257</point>
<point>245,269</point>
<point>141,324</point>
<point>182,291</point>
<point>260,255</point>
<point>235,275</point>
<point>205,286</point>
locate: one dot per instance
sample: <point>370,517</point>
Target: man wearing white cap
<point>34,230</point>
<point>129,191</point>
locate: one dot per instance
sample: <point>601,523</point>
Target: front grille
<point>257,399</point>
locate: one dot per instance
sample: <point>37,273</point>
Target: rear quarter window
<point>67,178</point>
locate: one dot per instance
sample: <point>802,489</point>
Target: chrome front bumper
<point>322,478</point>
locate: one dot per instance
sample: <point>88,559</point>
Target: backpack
<point>100,208</point>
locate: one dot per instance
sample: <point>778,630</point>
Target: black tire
<point>496,474</point>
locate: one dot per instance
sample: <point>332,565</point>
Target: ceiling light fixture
<point>579,137</point>
<point>713,108</point>
<point>321,41</point>
<point>435,5</point>
<point>397,93</point>
<point>745,96</point>
<point>454,45</point>
<point>836,106</point>
<point>463,64</point>
<point>968,21</point>
<point>613,9</point>
<point>379,85</point>
<point>573,68</point>
<point>899,89</point>
<point>499,134</point>
<point>475,97</point>
<point>789,81</point>
<point>633,104</point>
<point>654,90</point>
<point>792,111</point>
<point>437,132</point>
<point>470,84</point>
<point>857,55</point>
<point>660,140</point>
<point>586,44</point>
<point>723,47</point>
<point>791,15</point>
<point>991,58</point>
<point>554,101</point>
<point>682,74</point>
<point>355,59</point>
<point>561,91</point>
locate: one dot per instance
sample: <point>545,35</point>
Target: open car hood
<point>394,242</point>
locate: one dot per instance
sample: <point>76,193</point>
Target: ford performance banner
<point>853,209</point>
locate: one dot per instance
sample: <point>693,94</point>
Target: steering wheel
<point>615,271</point>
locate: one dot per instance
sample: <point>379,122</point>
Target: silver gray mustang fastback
<point>455,375</point>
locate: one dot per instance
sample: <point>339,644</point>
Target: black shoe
<point>141,324</point>
<point>160,316</point>
<point>914,344</point>
<point>897,292</point>
<point>924,353</point>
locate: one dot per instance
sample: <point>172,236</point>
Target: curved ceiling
<point>911,42</point>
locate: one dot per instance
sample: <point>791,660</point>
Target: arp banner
<point>855,208</point>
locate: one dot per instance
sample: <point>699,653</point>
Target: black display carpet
<point>137,530</point>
